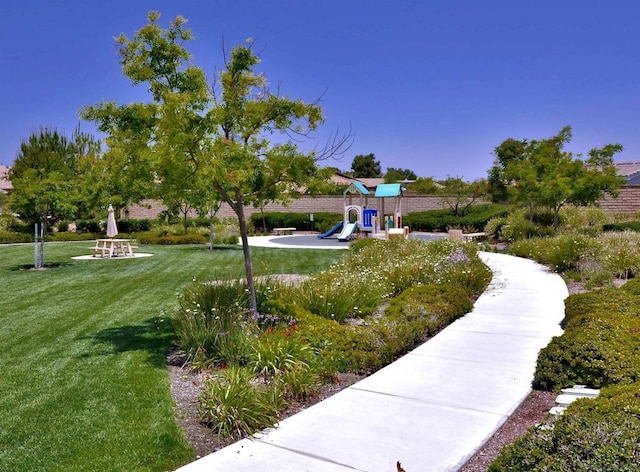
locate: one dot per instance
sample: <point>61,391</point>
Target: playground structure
<point>373,222</point>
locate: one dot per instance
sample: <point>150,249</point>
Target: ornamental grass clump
<point>620,253</point>
<point>234,405</point>
<point>212,318</point>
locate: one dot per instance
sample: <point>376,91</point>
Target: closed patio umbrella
<point>112,227</point>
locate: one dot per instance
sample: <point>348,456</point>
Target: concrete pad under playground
<point>431,409</point>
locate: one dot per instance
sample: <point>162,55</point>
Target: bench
<point>471,236</point>
<point>281,231</point>
<point>99,249</point>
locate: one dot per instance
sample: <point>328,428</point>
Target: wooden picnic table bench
<point>113,248</point>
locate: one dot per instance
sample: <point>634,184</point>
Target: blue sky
<point>431,85</point>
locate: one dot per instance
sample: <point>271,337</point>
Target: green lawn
<point>83,382</point>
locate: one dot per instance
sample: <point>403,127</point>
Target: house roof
<point>628,169</point>
<point>5,183</point>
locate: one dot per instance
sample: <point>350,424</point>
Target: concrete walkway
<point>434,407</point>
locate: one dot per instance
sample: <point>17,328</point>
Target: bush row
<point>322,221</point>
<point>191,238</point>
<point>440,220</point>
<point>599,346</point>
<point>628,225</point>
<point>597,434</point>
<point>599,349</point>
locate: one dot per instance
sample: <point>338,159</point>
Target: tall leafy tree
<point>221,136</point>
<point>395,174</point>
<point>366,166</point>
<point>541,172</point>
<point>46,177</point>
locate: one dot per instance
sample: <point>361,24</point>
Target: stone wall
<point>150,209</point>
<point>628,201</point>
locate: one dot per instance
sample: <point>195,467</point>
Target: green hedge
<point>599,346</point>
<point>171,239</point>
<point>628,225</point>
<point>322,221</point>
<point>9,237</point>
<point>413,316</point>
<point>440,220</point>
<point>134,226</point>
<point>598,434</point>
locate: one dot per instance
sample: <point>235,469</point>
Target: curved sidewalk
<point>434,407</point>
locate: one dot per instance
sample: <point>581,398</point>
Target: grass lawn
<point>83,383</point>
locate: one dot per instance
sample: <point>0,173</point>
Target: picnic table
<point>113,248</point>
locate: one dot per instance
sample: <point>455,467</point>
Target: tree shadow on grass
<point>154,337</point>
<point>52,265</point>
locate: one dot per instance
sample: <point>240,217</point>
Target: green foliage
<point>594,434</point>
<point>46,176</point>
<point>366,166</point>
<point>235,406</point>
<point>207,147</point>
<point>632,286</point>
<point>518,226</point>
<point>277,351</point>
<point>586,220</point>
<point>10,237</point>
<point>424,186</point>
<point>322,221</point>
<point>337,298</point>
<point>621,226</point>
<point>395,174</point>
<point>599,346</point>
<point>561,253</point>
<point>542,173</point>
<point>89,226</point>
<point>134,226</point>
<point>173,239</point>
<point>213,318</point>
<point>477,217</point>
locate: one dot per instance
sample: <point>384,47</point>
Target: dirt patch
<point>185,388</point>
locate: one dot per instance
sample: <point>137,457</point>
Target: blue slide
<point>331,232</point>
<point>347,231</point>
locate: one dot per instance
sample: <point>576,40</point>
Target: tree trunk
<point>212,236</point>
<point>239,210</point>
<point>556,213</point>
<point>185,221</point>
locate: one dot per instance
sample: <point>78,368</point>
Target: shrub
<point>88,226</point>
<point>562,252</point>
<point>622,226</point>
<point>171,239</point>
<point>72,237</point>
<point>585,220</point>
<point>592,434</point>
<point>235,406</point>
<point>518,226</point>
<point>10,237</point>
<point>620,253</point>
<point>63,226</point>
<point>632,286</point>
<point>322,221</point>
<point>440,220</point>
<point>134,226</point>
<point>598,347</point>
<point>275,352</point>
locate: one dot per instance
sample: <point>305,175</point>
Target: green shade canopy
<point>388,190</point>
